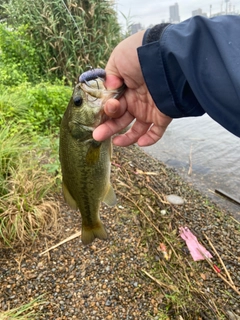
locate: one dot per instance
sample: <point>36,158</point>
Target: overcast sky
<point>154,11</point>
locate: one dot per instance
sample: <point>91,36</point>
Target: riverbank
<point>205,155</point>
<point>129,276</point>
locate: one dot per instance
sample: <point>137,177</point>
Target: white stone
<point>174,199</point>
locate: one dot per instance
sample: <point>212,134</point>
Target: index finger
<point>112,126</point>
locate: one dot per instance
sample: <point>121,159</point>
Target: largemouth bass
<point>85,162</point>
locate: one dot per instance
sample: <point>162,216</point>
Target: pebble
<point>108,303</point>
<point>174,199</point>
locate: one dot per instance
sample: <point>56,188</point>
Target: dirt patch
<point>128,276</point>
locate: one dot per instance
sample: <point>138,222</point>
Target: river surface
<point>206,155</point>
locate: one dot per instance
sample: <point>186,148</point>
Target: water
<point>204,154</point>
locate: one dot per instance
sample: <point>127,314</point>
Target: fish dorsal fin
<point>68,198</point>
<point>93,153</point>
<point>110,197</point>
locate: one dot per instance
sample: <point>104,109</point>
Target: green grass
<point>24,312</point>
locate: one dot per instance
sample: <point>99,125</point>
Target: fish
<point>85,162</point>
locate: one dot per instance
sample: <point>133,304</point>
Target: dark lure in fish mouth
<point>86,163</point>
<point>92,74</point>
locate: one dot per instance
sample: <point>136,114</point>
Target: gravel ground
<point>127,276</point>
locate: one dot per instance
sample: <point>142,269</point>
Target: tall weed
<point>67,40</point>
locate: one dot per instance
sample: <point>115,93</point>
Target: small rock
<point>163,212</point>
<point>174,199</point>
<point>108,303</point>
<point>232,316</point>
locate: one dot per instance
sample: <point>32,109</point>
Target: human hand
<point>136,103</point>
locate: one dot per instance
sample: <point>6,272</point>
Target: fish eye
<point>77,100</point>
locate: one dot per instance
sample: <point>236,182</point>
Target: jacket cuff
<point>154,34</point>
<point>159,83</point>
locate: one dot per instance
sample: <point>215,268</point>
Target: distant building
<point>228,8</point>
<point>198,12</point>
<point>134,28</point>
<point>174,13</point>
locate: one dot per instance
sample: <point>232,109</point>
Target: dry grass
<point>27,209</point>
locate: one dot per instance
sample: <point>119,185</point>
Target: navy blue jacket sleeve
<point>194,67</point>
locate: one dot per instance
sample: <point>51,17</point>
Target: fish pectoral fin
<point>96,231</point>
<point>93,153</point>
<point>68,198</point>
<point>110,197</point>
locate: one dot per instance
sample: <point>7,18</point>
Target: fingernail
<point>112,109</point>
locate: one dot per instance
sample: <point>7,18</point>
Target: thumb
<point>113,76</point>
<point>113,81</point>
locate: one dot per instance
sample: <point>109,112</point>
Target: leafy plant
<point>36,108</point>
<point>18,59</point>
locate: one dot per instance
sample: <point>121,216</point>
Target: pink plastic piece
<point>198,252</point>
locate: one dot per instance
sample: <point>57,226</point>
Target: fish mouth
<point>119,92</point>
<point>92,94</point>
<point>92,83</point>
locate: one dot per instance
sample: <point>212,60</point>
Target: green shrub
<point>36,108</point>
<point>18,59</point>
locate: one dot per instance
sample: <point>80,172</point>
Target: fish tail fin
<point>96,231</point>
